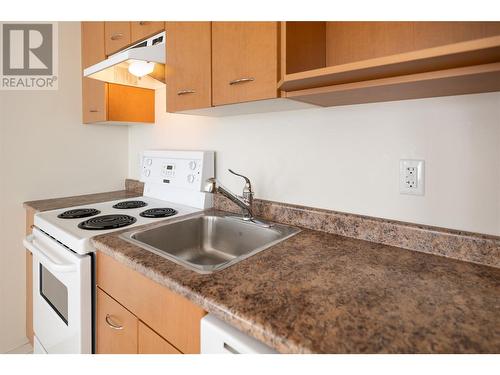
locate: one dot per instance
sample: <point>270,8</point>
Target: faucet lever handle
<point>247,180</point>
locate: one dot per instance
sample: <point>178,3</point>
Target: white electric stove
<point>63,262</point>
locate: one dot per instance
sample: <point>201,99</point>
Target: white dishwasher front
<point>218,337</point>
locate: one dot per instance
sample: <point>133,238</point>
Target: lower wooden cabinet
<point>116,327</point>
<point>165,321</point>
<point>121,332</point>
<point>150,342</point>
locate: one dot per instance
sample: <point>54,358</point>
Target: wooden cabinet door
<point>117,36</point>
<point>93,50</point>
<point>116,327</point>
<point>174,317</point>
<point>188,73</point>
<point>94,99</point>
<point>152,343</point>
<point>144,29</point>
<point>244,61</point>
<point>93,91</point>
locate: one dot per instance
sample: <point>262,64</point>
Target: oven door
<point>62,296</point>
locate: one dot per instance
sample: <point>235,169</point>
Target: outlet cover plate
<point>411,177</point>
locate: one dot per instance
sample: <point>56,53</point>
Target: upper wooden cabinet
<point>188,68</point>
<point>94,101</point>
<point>93,50</point>
<point>117,36</point>
<point>338,63</point>
<point>144,29</point>
<point>244,61</point>
<point>216,63</point>
<point>94,93</point>
<point>212,64</point>
<point>107,102</point>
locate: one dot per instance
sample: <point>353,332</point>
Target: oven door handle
<point>43,253</point>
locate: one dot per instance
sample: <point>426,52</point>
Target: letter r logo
<point>27,49</point>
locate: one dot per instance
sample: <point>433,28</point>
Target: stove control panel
<point>186,170</point>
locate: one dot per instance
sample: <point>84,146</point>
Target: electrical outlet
<point>411,177</point>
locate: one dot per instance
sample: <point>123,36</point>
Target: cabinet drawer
<point>116,327</point>
<point>144,29</point>
<point>117,36</point>
<point>174,317</point>
<point>244,61</point>
<point>152,343</point>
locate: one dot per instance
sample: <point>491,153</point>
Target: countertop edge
<point>78,200</point>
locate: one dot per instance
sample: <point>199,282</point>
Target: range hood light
<point>141,68</point>
<point>140,65</point>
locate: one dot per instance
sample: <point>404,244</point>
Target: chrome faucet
<point>245,202</point>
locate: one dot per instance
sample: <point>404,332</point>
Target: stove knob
<point>149,161</point>
<point>147,172</point>
<point>192,165</point>
<point>190,178</point>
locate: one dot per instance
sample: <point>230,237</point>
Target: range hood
<point>140,65</point>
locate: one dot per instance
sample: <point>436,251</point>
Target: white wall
<point>45,151</point>
<point>347,158</point>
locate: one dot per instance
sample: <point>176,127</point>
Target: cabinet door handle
<point>184,92</point>
<point>116,36</point>
<point>143,23</point>
<point>112,324</point>
<point>230,349</point>
<point>241,80</point>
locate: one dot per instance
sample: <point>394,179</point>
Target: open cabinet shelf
<point>467,66</point>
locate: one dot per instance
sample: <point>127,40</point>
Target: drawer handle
<point>143,23</point>
<point>112,324</point>
<point>184,92</point>
<point>116,36</point>
<point>241,80</point>
<point>93,110</point>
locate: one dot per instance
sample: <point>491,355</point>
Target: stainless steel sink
<point>209,242</point>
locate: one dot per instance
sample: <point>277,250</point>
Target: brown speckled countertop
<point>79,200</point>
<point>323,293</point>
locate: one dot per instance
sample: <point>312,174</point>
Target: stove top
<point>159,212</point>
<point>127,205</point>
<point>78,213</point>
<point>173,187</point>
<point>107,222</point>
<point>75,232</point>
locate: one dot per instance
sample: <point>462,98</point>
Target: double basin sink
<point>209,242</point>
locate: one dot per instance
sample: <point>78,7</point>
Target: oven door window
<point>54,292</point>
